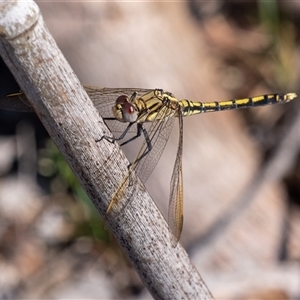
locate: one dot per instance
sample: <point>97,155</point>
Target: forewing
<point>16,102</point>
<point>159,133</point>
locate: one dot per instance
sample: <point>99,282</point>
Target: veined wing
<point>175,211</point>
<point>16,102</point>
<point>104,99</point>
<point>159,133</point>
<point>159,140</point>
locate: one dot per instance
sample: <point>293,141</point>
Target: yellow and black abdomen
<point>192,108</point>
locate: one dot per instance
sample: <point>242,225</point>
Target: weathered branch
<point>74,124</point>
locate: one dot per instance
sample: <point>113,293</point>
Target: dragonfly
<point>151,113</point>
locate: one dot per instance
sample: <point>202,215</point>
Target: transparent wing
<point>104,100</point>
<point>16,102</point>
<point>175,213</point>
<point>159,133</point>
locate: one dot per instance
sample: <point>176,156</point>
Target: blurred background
<point>241,168</point>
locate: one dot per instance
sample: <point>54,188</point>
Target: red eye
<point>129,113</point>
<point>125,111</point>
<point>122,99</point>
<point>127,108</point>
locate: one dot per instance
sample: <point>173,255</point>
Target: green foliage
<point>282,31</point>
<point>62,180</point>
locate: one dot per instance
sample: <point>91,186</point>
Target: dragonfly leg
<point>148,143</point>
<point>138,133</point>
<point>141,129</point>
<point>112,139</point>
<point>124,133</point>
<point>133,96</point>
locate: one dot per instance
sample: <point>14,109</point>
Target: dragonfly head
<point>124,111</point>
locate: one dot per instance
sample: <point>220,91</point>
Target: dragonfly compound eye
<point>129,112</point>
<point>122,99</point>
<point>124,111</point>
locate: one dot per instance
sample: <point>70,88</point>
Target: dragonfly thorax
<point>125,111</point>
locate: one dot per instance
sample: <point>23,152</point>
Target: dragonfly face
<point>124,110</point>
